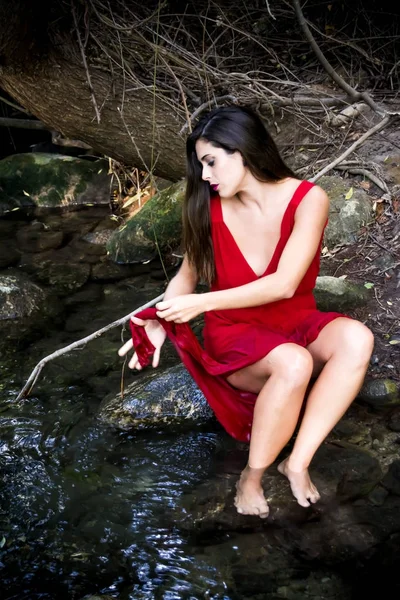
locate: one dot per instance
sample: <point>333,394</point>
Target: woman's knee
<point>293,363</point>
<point>357,342</point>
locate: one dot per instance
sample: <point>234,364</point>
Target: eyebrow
<point>208,154</point>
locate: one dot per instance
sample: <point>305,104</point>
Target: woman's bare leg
<point>345,346</point>
<point>280,379</point>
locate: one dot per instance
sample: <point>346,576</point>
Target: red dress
<point>236,338</point>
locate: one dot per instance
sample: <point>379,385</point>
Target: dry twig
<point>353,147</point>
<point>37,370</point>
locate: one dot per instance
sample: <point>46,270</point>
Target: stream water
<point>85,508</point>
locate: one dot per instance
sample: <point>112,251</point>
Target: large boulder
<point>156,227</point>
<point>25,309</point>
<point>51,180</point>
<point>157,399</point>
<point>346,216</point>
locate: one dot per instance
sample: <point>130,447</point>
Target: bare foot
<point>250,499</point>
<point>301,485</point>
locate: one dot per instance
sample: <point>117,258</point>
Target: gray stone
<point>157,399</point>
<point>338,295</point>
<point>346,217</point>
<point>379,393</point>
<point>52,180</point>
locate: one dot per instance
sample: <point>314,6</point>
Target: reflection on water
<point>87,509</point>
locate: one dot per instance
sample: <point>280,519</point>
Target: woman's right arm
<point>184,282</point>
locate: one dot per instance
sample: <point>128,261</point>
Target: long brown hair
<point>233,128</point>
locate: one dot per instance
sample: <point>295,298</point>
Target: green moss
<point>157,225</point>
<point>44,179</point>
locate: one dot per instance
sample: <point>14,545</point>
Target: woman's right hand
<point>156,334</point>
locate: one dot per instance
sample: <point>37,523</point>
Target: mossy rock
<point>346,216</point>
<point>338,295</point>
<point>51,180</point>
<point>157,227</point>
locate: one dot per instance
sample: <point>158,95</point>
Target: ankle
<point>295,465</point>
<point>252,474</point>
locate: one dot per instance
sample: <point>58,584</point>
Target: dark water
<point>88,509</point>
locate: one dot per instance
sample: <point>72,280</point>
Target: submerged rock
<point>158,399</point>
<point>51,180</point>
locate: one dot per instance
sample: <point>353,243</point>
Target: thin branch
<point>353,94</point>
<point>353,147</point>
<point>203,107</point>
<point>14,105</point>
<point>82,49</point>
<point>23,124</point>
<point>360,171</point>
<point>269,11</point>
<point>24,393</point>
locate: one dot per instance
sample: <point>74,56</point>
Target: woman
<point>253,232</point>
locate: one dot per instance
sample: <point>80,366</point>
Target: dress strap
<point>216,209</point>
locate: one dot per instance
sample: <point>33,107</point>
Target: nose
<point>206,173</point>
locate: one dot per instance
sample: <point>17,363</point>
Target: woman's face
<point>224,172</point>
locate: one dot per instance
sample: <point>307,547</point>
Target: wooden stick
<point>353,147</point>
<point>24,393</point>
<point>23,123</point>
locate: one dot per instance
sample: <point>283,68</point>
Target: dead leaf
<point>349,194</point>
<point>365,185</point>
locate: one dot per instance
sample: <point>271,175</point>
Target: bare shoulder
<point>316,200</point>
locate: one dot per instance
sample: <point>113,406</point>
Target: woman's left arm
<point>300,249</point>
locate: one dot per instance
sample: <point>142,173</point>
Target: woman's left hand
<point>181,309</point>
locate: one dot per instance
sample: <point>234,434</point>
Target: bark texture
<point>136,127</point>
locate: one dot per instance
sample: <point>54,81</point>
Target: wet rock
<point>379,393</point>
<point>52,180</point>
<point>394,421</point>
<point>90,293</point>
<point>96,241</point>
<point>157,399</point>
<point>156,227</point>
<point>9,254</point>
<point>391,481</point>
<point>63,278</point>
<point>108,271</point>
<point>32,239</point>
<point>339,295</point>
<point>346,217</point>
<point>340,474</point>
<point>25,309</point>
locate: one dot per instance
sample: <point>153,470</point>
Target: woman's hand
<point>181,309</point>
<point>156,334</point>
